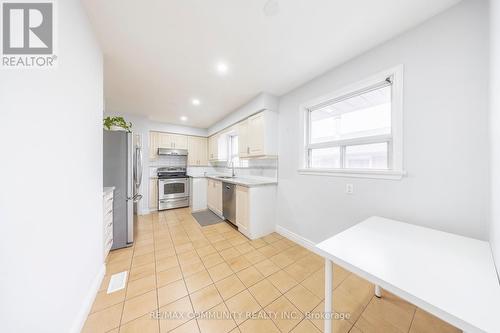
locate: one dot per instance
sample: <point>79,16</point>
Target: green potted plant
<point>117,124</point>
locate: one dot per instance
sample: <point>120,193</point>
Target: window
<point>357,131</point>
<point>233,150</point>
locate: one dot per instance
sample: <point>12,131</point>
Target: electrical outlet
<point>349,188</point>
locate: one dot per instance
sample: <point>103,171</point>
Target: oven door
<point>173,188</point>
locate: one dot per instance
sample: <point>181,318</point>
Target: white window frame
<point>395,149</point>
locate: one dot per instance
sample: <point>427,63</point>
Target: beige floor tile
<point>212,260</point>
<point>244,248</point>
<point>219,320</point>
<point>302,298</point>
<point>143,259</point>
<point>145,249</point>
<point>205,299</point>
<point>118,266</point>
<point>238,263</point>
<point>166,263</point>
<point>254,257</point>
<point>352,296</point>
<point>282,281</point>
<point>260,323</point>
<point>206,250</point>
<point>284,314</point>
<point>267,267</point>
<point>242,306</point>
<point>144,324</point>
<point>189,327</point>
<point>281,260</point>
<point>171,292</point>
<point>258,243</point>
<point>229,286</point>
<point>268,251</point>
<point>120,254</point>
<point>168,276</point>
<point>104,300</point>
<point>184,248</point>
<point>197,281</point>
<point>220,271</point>
<point>249,276</point>
<point>105,282</point>
<point>141,286</point>
<point>316,284</point>
<point>264,292</point>
<point>138,306</point>
<point>221,245</point>
<point>424,322</point>
<point>189,257</point>
<point>142,271</point>
<point>190,269</point>
<point>105,320</point>
<point>229,253</point>
<point>164,253</point>
<point>305,326</point>
<point>175,314</point>
<point>298,272</point>
<point>386,314</point>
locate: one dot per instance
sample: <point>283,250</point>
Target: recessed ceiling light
<point>221,68</point>
<point>195,101</point>
<point>184,118</point>
<point>271,8</point>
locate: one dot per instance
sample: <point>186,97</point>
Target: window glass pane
<point>359,116</point>
<point>325,158</point>
<point>370,156</point>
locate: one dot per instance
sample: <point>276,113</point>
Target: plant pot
<point>117,128</point>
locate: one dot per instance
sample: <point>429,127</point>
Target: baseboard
<point>88,301</point>
<point>310,245</point>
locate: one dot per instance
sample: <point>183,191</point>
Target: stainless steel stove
<point>173,188</point>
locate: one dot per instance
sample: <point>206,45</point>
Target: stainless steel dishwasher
<point>229,202</point>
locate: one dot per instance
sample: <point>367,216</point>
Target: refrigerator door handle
<point>138,167</point>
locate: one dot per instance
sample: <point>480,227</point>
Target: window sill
<point>373,174</point>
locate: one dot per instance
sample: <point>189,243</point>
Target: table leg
<point>378,291</point>
<point>328,296</point>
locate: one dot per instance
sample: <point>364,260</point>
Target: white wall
<point>495,128</point>
<point>51,193</point>
<point>445,135</point>
<point>263,101</point>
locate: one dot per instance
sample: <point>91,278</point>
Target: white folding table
<point>450,276</point>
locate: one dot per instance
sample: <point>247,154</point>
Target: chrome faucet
<point>232,167</point>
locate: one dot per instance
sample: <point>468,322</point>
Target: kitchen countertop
<point>243,181</point>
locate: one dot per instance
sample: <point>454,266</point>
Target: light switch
<point>349,188</point>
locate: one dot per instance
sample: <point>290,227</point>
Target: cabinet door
<point>179,141</point>
<point>256,135</point>
<point>218,196</point>
<point>165,140</point>
<point>242,206</point>
<point>153,145</point>
<point>193,150</point>
<point>212,147</point>
<point>153,194</point>
<point>243,148</point>
<point>203,151</point>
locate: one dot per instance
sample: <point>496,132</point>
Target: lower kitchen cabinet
<point>153,194</point>
<point>255,210</point>
<point>214,196</point>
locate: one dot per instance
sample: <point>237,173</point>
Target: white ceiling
<point>160,54</point>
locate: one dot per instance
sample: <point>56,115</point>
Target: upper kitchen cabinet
<point>174,141</point>
<point>258,135</point>
<point>217,147</point>
<point>197,151</point>
<point>165,140</point>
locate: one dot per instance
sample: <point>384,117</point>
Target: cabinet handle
<point>248,150</point>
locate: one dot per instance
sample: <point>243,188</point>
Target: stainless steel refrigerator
<point>123,170</point>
